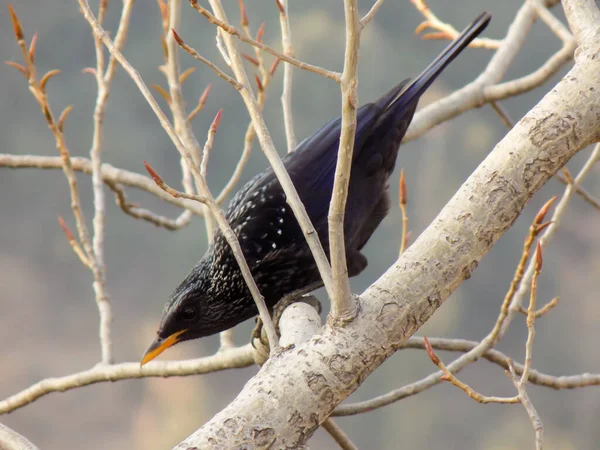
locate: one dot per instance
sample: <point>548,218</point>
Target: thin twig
<point>110,174</point>
<point>338,435</point>
<point>403,198</point>
<point>202,59</point>
<point>561,207</point>
<point>204,192</point>
<point>75,245</point>
<point>534,230</point>
<point>230,359</point>
<point>104,77</point>
<point>343,305</point>
<point>181,121</point>
<point>543,310</point>
<point>461,345</point>
<point>94,262</point>
<point>369,16</point>
<point>536,422</point>
<point>269,150</point>
<point>137,212</point>
<point>445,30</point>
<point>447,376</point>
<point>481,90</point>
<point>583,193</point>
<point>531,314</point>
<point>473,354</point>
<point>235,32</point>
<point>248,138</point>
<point>503,114</point>
<point>286,95</point>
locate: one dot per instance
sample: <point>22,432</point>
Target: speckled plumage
<point>214,296</point>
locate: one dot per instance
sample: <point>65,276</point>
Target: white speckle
<point>282,210</point>
<point>274,245</point>
<point>279,231</point>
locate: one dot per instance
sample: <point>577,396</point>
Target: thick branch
<point>306,383</point>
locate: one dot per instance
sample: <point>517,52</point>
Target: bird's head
<point>187,314</point>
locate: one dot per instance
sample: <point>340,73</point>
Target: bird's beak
<point>160,345</point>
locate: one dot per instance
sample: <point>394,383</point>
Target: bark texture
<point>296,390</point>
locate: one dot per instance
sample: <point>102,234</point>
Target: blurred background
<point>49,320</point>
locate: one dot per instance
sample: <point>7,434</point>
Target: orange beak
<point>160,345</point>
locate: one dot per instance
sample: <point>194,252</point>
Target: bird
<point>214,296</point>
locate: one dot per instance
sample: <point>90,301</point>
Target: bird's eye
<point>188,313</point>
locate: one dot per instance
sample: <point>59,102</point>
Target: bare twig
<point>461,345</point>
<point>343,306</point>
<point>543,310</point>
<point>204,193</point>
<point>531,314</point>
<point>171,17</point>
<point>181,121</point>
<point>286,96</point>
<point>144,214</point>
<point>235,32</point>
<point>234,358</point>
<point>104,77</point>
<point>74,243</point>
<point>474,353</point>
<point>403,199</point>
<point>503,114</point>
<point>561,207</point>
<point>447,376</point>
<point>95,263</point>
<point>446,31</point>
<point>483,89</point>
<point>110,174</point>
<point>534,230</point>
<point>336,432</point>
<point>202,59</point>
<point>269,149</point>
<point>583,193</point>
<point>369,16</point>
<point>538,427</point>
<point>249,138</point>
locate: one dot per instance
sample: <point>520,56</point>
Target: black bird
<point>214,296</point>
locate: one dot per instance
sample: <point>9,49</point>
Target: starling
<point>214,296</point>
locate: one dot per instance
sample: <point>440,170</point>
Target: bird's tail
<point>408,96</point>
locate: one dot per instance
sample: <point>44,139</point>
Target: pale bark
<point>297,390</point>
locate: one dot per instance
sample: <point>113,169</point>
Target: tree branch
<point>11,440</point>
<point>307,382</point>
<point>269,150</point>
<point>343,305</point>
<point>110,174</point>
<point>229,359</point>
<point>232,31</point>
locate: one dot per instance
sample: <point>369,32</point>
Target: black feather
<point>214,296</point>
